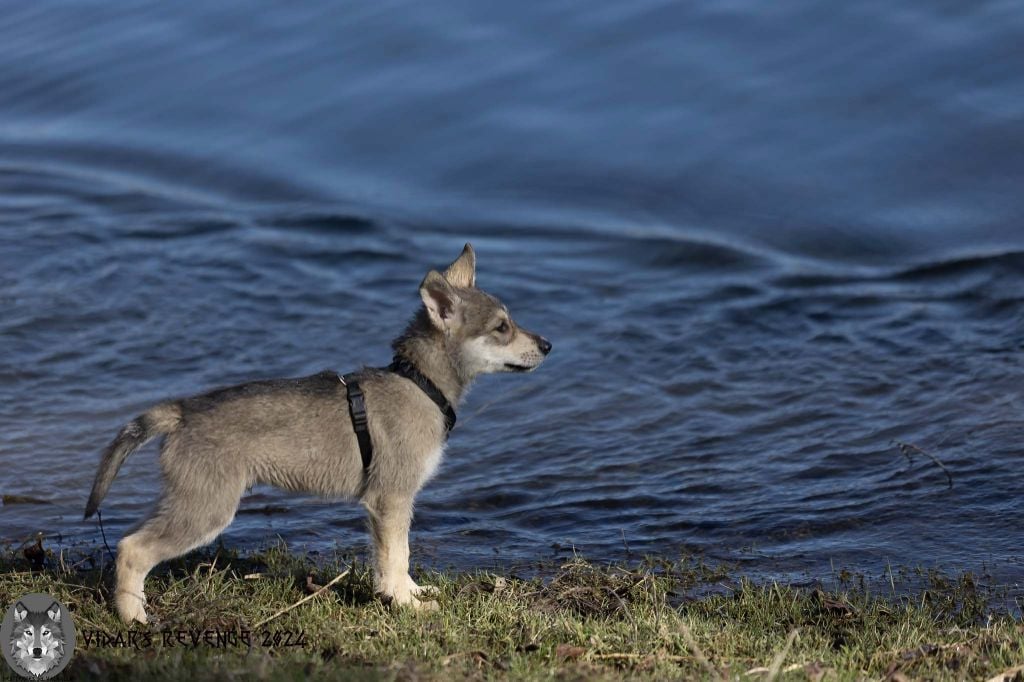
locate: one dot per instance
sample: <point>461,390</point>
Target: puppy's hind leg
<point>182,521</point>
<point>390,518</point>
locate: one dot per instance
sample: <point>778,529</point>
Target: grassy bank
<point>653,620</point>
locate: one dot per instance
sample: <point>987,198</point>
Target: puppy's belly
<point>322,472</point>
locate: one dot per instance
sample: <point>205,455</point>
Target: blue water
<point>767,241</point>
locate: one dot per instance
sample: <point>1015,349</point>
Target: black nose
<point>37,652</point>
<point>544,345</point>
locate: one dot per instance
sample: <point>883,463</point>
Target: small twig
<point>303,600</point>
<point>632,657</point>
<point>480,656</point>
<point>937,648</point>
<point>764,671</point>
<point>908,449</point>
<point>1010,674</point>
<point>212,566</point>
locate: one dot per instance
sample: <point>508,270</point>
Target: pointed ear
<point>20,612</point>
<point>462,272</point>
<point>54,612</point>
<point>440,300</point>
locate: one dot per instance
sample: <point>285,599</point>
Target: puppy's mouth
<point>517,368</point>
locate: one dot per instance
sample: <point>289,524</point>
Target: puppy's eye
<point>502,328</point>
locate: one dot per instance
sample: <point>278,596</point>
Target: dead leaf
<point>834,605</point>
<point>569,651</point>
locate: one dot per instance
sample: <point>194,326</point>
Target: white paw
<point>429,591</point>
<point>403,591</point>
<point>131,607</point>
<point>425,605</point>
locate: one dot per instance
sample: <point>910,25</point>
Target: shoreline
<point>275,614</point>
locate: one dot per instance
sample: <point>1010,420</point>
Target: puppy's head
<point>480,334</point>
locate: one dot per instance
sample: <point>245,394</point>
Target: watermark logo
<point>37,636</point>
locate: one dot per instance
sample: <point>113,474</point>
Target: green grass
<point>652,620</point>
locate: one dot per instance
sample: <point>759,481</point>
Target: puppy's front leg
<point>390,517</point>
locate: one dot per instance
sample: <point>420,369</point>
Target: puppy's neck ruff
<point>405,367</point>
<point>427,349</point>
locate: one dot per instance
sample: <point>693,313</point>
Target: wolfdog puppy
<point>298,434</point>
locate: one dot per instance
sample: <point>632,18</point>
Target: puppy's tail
<point>160,420</point>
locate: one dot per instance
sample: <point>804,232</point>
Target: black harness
<point>357,403</point>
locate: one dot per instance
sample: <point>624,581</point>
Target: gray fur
<point>133,435</point>
<point>296,434</point>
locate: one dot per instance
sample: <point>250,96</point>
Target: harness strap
<point>404,368</point>
<point>357,403</point>
<point>357,410</point>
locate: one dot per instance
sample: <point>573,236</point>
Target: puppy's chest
<point>431,463</point>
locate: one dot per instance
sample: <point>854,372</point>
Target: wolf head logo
<point>37,640</point>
